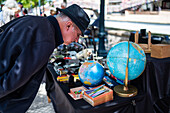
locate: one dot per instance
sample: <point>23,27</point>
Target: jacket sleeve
<point>31,58</point>
<point>30,61</point>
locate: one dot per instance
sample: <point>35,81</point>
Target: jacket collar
<point>58,35</point>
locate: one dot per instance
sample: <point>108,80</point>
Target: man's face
<point>71,33</point>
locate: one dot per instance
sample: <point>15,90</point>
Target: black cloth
<point>153,93</point>
<point>157,84</point>
<point>25,48</point>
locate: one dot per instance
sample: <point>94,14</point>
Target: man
<point>25,47</point>
<point>20,5</point>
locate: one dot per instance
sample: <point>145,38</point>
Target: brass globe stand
<point>126,90</point>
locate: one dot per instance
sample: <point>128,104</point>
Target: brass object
<point>126,73</point>
<point>132,91</point>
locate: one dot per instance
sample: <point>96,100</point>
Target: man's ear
<point>68,24</point>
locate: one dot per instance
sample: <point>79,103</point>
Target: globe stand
<point>119,89</point>
<point>126,90</point>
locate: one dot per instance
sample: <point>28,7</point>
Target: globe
<point>117,60</point>
<point>91,73</point>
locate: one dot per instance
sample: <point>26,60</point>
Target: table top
<point>81,104</point>
<point>152,86</point>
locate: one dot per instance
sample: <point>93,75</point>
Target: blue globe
<point>91,73</point>
<point>117,60</point>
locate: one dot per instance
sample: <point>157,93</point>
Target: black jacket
<point>25,47</point>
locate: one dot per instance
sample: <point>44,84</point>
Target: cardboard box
<point>104,97</point>
<point>160,51</point>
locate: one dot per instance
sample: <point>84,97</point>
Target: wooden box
<point>146,47</point>
<point>104,97</point>
<point>160,51</point>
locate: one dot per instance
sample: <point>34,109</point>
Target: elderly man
<point>25,47</point>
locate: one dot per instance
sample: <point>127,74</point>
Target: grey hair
<point>65,18</point>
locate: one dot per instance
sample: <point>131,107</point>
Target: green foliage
<point>1,1</point>
<point>29,3</point>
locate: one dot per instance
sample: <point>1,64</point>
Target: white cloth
<point>11,4</point>
<point>8,11</point>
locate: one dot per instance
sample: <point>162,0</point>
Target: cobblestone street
<point>40,103</point>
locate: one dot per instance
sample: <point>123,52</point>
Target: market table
<point>153,92</point>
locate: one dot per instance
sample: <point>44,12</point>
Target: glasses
<point>78,32</point>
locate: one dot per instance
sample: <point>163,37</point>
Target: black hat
<point>77,15</point>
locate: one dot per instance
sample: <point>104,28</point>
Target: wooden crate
<point>156,50</point>
<point>145,47</point>
<point>160,51</point>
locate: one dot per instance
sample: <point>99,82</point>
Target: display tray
<point>98,96</point>
<point>77,93</point>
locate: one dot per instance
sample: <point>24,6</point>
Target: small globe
<point>117,60</point>
<point>91,73</point>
